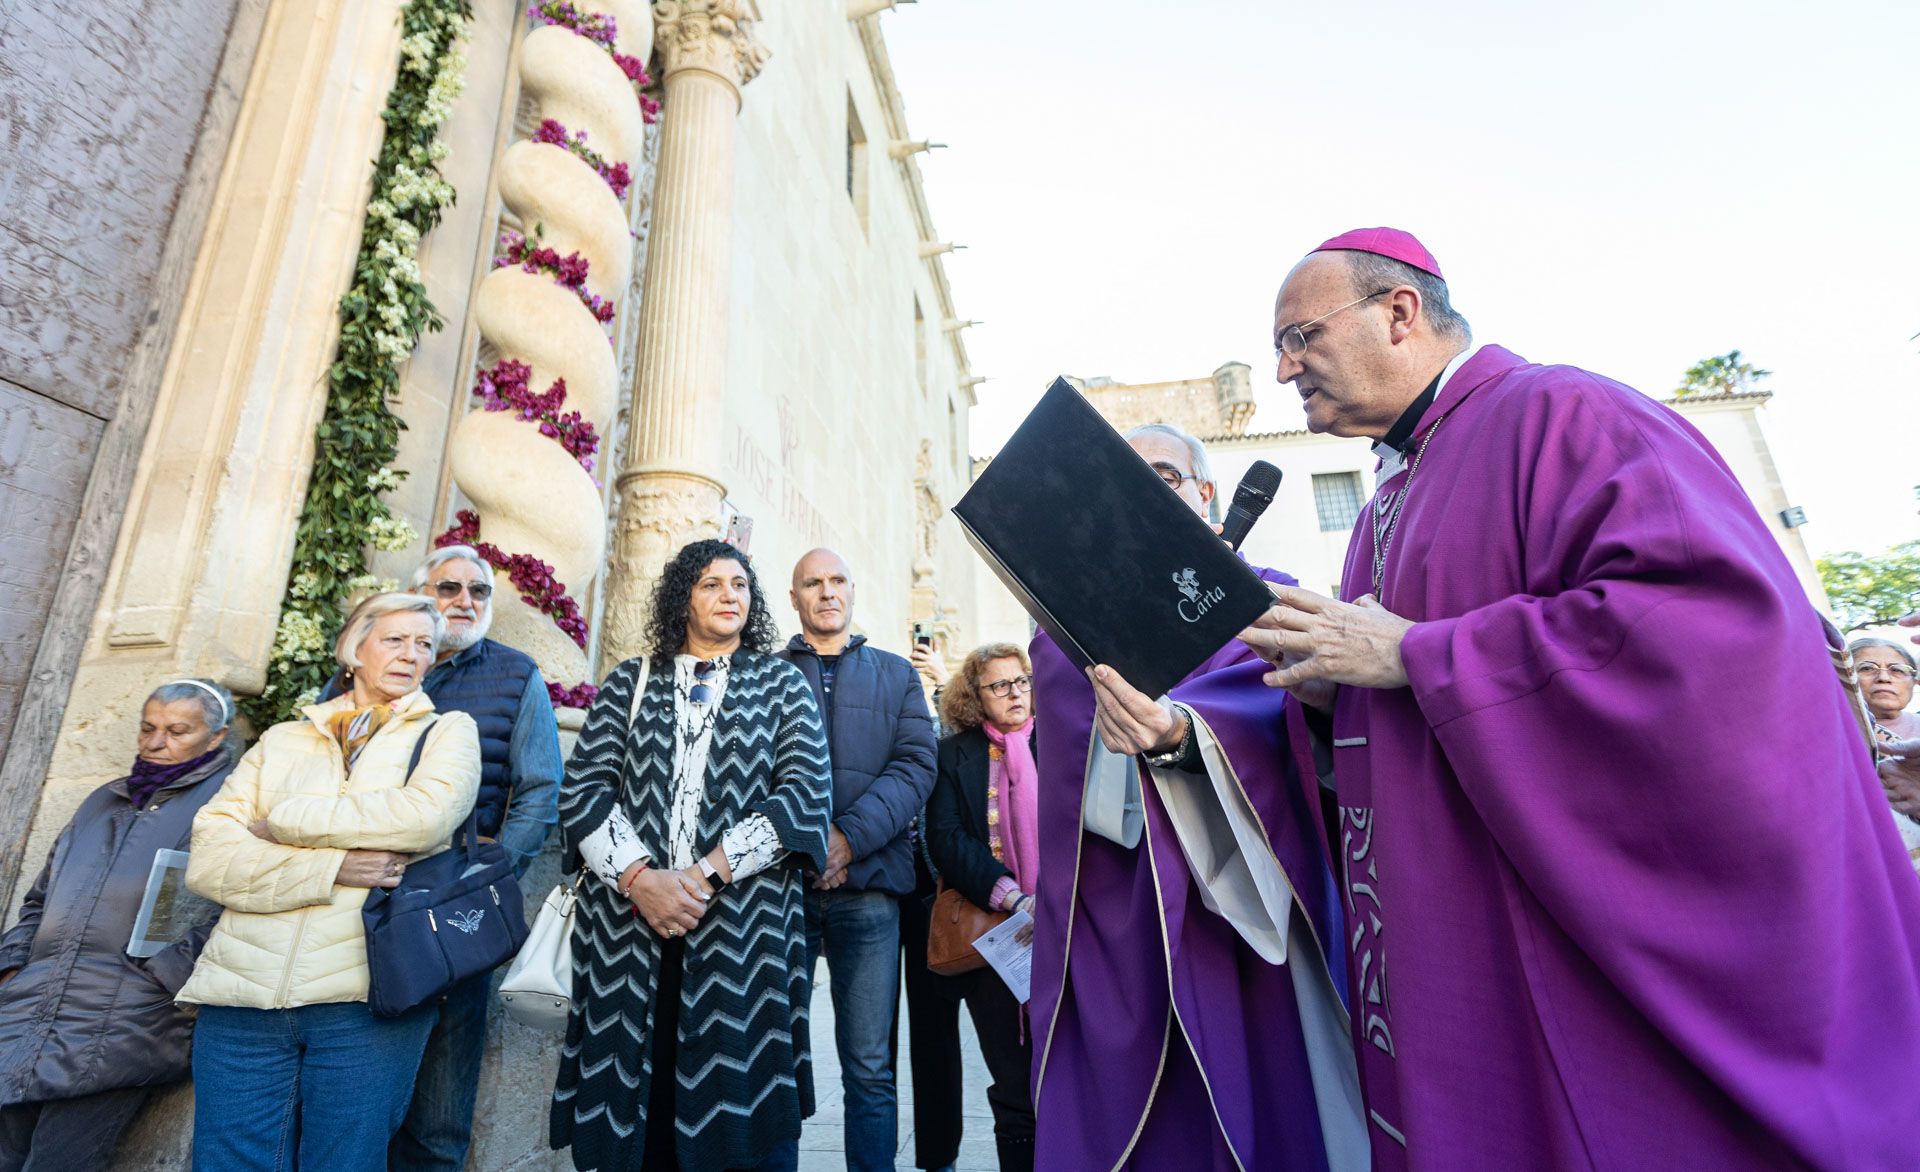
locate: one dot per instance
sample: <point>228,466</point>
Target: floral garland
<point>505,388</point>
<point>569,272</point>
<point>602,31</point>
<point>529,575</point>
<point>578,696</point>
<point>382,316</point>
<point>554,133</point>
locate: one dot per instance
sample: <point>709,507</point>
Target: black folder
<point>1104,556</point>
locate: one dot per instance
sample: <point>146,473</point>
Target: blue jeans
<point>439,1125</point>
<point>321,1086</point>
<point>859,932</point>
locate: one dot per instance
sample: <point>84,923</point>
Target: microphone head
<point>1257,487</point>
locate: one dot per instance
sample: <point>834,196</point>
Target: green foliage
<point>382,317</point>
<point>1723,374</point>
<point>1872,591</point>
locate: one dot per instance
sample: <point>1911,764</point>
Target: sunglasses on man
<point>449,589</point>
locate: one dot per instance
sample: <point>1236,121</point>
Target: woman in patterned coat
<point>696,804</point>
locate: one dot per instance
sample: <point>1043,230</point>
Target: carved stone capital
<point>709,36</point>
<point>659,513</point>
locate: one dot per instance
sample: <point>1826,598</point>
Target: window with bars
<point>1336,497</point>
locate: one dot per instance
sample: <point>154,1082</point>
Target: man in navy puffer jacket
<point>881,739</point>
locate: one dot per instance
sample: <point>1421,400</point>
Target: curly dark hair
<point>961,708</point>
<point>667,626</point>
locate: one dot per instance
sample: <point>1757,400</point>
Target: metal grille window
<point>1336,496</point>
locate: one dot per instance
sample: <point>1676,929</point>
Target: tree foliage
<point>1872,590</point>
<point>1723,374</point>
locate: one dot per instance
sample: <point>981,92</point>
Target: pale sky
<point>1629,190</point>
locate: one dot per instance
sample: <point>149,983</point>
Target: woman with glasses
<point>983,827</point>
<point>697,794</point>
<point>1886,672</point>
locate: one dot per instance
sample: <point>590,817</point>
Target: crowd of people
<point>1567,750</point>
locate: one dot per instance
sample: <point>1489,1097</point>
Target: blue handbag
<point>452,916</point>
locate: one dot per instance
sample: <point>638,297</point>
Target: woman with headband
<point>87,1031</point>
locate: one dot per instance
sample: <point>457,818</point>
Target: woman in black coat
<point>982,831</point>
<point>87,1031</point>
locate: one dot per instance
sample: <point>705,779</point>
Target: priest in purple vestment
<point>1184,1009</point>
<point>1621,887</point>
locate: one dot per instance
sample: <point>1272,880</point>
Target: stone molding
<point>710,36</point>
<point>659,513</point>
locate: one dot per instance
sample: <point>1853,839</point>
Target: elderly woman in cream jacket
<point>291,1068</point>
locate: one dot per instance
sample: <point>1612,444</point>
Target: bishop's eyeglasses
<point>1003,688</point>
<point>1292,341</point>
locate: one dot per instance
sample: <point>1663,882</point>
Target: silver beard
<point>462,640</point>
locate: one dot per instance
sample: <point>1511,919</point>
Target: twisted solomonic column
<point>528,456</point>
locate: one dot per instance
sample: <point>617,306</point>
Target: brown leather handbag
<point>954,924</point>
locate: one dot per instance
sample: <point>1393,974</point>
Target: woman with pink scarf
<point>983,833</point>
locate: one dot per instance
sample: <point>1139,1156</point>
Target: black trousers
<point>933,1027</point>
<point>996,1019</point>
<point>67,1133</point>
<point>662,1095</point>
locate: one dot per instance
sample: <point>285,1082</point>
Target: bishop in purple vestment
<point>1184,1010</point>
<point>1621,885</point>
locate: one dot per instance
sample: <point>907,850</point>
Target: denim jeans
<point>321,1086</point>
<point>859,933</point>
<point>439,1125</point>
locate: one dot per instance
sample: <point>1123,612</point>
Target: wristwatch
<point>1178,752</point>
<point>712,875</point>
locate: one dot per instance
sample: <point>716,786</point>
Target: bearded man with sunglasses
<point>518,804</point>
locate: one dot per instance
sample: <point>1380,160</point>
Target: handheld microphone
<point>1250,500</point>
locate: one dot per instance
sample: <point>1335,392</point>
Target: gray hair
<point>216,703</point>
<point>1196,451</point>
<point>1859,645</point>
<point>451,553</point>
<point>1373,273</point>
<point>346,649</point>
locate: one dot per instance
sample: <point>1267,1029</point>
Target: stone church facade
<point>784,345</point>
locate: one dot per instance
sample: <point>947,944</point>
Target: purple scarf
<point>1019,809</point>
<point>149,778</point>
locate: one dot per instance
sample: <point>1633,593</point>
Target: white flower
<point>390,533</point>
<point>417,51</point>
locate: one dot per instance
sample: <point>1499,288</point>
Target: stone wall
<point>841,367</point>
<point>99,201</point>
<point>844,415</point>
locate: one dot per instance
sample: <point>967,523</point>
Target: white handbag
<point>538,988</point>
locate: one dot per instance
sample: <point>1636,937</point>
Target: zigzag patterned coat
<point>745,1071</point>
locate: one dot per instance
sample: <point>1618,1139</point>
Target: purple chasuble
<point>1161,1039</point>
<point>1623,887</point>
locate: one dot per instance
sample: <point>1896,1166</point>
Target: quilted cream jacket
<point>290,936</point>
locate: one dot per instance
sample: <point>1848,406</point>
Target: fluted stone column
<point>669,488</point>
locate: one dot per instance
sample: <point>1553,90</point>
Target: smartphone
<point>922,635</point>
<point>739,532</point>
